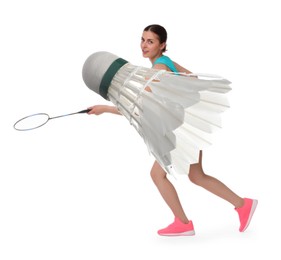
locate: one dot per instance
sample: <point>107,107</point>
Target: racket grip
<point>84,111</point>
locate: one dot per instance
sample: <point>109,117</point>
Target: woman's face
<point>150,45</point>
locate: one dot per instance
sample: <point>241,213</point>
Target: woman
<point>153,46</point>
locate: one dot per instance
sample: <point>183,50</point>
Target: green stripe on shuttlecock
<point>108,76</point>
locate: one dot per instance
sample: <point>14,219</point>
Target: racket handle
<point>84,111</point>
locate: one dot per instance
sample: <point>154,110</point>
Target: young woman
<point>153,46</point>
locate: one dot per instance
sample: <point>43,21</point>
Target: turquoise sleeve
<point>166,61</point>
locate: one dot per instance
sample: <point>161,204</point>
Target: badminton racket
<point>37,120</point>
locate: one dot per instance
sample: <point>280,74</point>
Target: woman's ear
<point>163,46</point>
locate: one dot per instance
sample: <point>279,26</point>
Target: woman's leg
<point>245,207</point>
<point>168,192</point>
<point>198,177</point>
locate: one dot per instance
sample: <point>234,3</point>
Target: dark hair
<point>160,31</point>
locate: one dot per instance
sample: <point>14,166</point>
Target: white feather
<point>177,118</point>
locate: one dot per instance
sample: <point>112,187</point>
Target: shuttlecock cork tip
<point>99,69</point>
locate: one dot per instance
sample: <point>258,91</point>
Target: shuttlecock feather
<point>176,118</point>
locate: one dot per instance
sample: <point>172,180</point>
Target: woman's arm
<point>181,69</point>
<point>100,109</point>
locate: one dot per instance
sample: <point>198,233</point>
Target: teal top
<point>166,61</point>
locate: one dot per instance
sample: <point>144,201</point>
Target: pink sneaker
<point>246,212</point>
<point>177,228</point>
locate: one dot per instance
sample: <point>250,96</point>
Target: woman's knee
<point>157,173</point>
<point>196,174</point>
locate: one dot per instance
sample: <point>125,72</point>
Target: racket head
<point>31,122</point>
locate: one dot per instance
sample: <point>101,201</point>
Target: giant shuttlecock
<point>176,118</point>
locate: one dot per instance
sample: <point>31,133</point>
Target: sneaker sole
<point>254,205</point>
<point>187,233</point>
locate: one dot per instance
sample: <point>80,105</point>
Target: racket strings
<point>32,122</point>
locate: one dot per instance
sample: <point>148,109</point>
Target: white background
<point>79,187</point>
